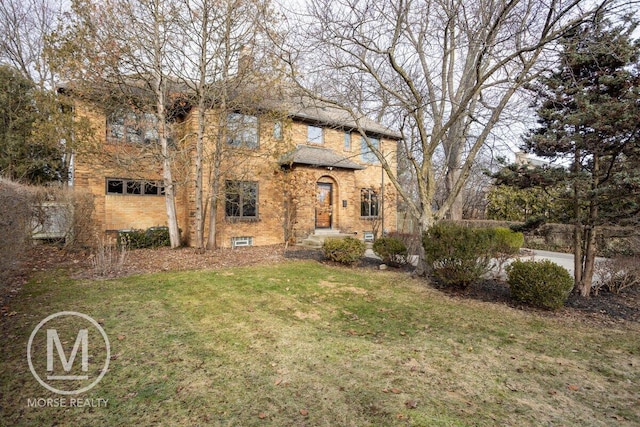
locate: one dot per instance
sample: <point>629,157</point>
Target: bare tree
<point>25,25</point>
<point>123,45</point>
<point>221,45</point>
<point>443,71</point>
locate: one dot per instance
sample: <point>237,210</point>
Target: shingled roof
<point>317,156</point>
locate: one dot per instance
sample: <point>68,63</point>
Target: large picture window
<point>132,127</point>
<point>369,204</point>
<point>241,199</point>
<point>242,130</point>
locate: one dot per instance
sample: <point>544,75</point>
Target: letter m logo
<point>81,340</point>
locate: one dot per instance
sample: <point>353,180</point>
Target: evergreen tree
<point>26,154</point>
<point>589,114</point>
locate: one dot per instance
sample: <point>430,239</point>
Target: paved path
<point>562,259</point>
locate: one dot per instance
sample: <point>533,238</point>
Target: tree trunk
<point>199,219</point>
<point>211,240</point>
<point>577,229</point>
<point>590,251</point>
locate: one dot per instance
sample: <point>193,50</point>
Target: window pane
<point>232,199</point>
<point>314,134</point>
<point>347,141</point>
<point>249,199</point>
<point>133,187</point>
<point>115,186</point>
<point>369,206</point>
<point>366,154</point>
<point>151,188</point>
<point>277,130</point>
<point>242,130</point>
<point>115,124</point>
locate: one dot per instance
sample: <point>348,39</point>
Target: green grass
<point>300,343</point>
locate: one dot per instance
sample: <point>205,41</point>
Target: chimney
<point>245,61</point>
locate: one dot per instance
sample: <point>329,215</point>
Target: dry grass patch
<point>300,343</point>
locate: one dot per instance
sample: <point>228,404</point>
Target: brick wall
<point>286,198</point>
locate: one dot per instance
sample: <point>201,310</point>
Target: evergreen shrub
<point>542,284</point>
<point>459,256</point>
<point>347,250</point>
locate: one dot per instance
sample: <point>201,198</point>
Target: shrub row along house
<point>279,170</point>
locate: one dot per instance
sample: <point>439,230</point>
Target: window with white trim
<point>238,242</point>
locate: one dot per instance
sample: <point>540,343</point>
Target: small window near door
<point>369,204</point>
<point>347,141</point>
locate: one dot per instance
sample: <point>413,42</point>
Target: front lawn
<point>301,343</point>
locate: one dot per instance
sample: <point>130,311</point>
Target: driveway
<point>562,259</point>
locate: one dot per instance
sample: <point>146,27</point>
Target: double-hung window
<point>241,199</point>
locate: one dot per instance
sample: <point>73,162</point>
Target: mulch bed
<point>604,308</point>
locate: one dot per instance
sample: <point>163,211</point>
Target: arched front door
<point>324,204</point>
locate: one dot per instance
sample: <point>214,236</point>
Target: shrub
<point>617,274</point>
<point>392,250</point>
<point>458,255</point>
<point>412,241</point>
<point>542,284</point>
<point>345,251</point>
<point>153,237</point>
<point>506,245</point>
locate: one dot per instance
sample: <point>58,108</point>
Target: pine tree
<point>589,114</point>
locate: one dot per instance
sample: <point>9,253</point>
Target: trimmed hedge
<point>392,250</point>
<point>459,256</point>
<point>542,284</point>
<point>345,251</point>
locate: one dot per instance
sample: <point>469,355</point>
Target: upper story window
<point>314,135</point>
<point>369,205</point>
<point>242,130</point>
<point>241,199</point>
<point>134,187</point>
<point>347,141</point>
<point>277,130</point>
<point>366,154</point>
<point>133,127</point>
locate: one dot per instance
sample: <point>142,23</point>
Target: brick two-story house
<point>286,173</point>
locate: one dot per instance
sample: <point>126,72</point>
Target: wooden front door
<point>323,205</point>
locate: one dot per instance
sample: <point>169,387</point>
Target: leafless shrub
<point>15,202</point>
<point>617,274</point>
<point>108,259</point>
